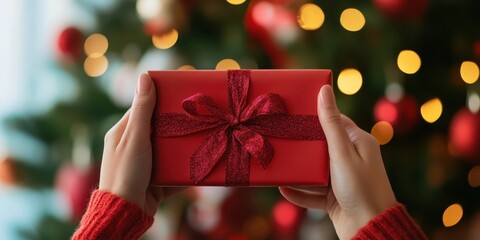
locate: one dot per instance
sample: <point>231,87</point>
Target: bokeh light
<point>235,2</point>
<point>452,215</point>
<point>257,227</point>
<point>394,92</point>
<point>349,81</point>
<point>95,66</point>
<point>386,111</point>
<point>474,177</point>
<point>469,72</point>
<point>431,110</point>
<point>263,13</point>
<point>352,19</point>
<point>227,64</point>
<point>310,17</point>
<point>186,67</point>
<point>148,9</point>
<point>285,214</point>
<point>165,41</point>
<point>473,102</point>
<point>95,45</point>
<point>383,132</point>
<point>408,61</point>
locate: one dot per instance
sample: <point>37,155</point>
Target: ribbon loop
<point>266,104</point>
<point>202,108</point>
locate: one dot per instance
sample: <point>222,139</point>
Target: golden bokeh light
<point>408,61</point>
<point>186,67</point>
<point>95,45</point>
<point>235,2</point>
<point>349,81</point>
<point>431,110</point>
<point>165,41</point>
<point>352,19</point>
<point>95,66</point>
<point>310,17</point>
<point>474,177</point>
<point>469,72</point>
<point>227,64</point>
<point>452,215</point>
<point>383,132</point>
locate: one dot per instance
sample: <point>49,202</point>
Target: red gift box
<point>212,142</point>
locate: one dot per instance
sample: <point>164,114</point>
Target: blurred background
<point>404,70</point>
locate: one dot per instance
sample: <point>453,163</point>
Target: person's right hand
<point>360,189</point>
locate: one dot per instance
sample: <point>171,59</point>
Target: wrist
<point>134,198</point>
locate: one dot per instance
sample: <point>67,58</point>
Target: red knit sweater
<point>112,217</point>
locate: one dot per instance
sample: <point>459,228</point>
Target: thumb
<point>339,143</point>
<point>142,108</point>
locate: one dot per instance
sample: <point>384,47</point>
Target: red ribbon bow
<point>238,134</point>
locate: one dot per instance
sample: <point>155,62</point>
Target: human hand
<point>360,189</point>
<point>127,155</point>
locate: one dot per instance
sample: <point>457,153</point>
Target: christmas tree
<point>404,70</point>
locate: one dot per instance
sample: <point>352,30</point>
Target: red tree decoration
<point>70,42</point>
<point>465,135</point>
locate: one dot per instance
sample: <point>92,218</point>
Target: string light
<point>352,19</point>
<point>394,92</point>
<point>349,81</point>
<point>474,177</point>
<point>452,215</point>
<point>235,2</point>
<point>95,66</point>
<point>473,102</point>
<point>469,72</point>
<point>310,17</point>
<point>148,9</point>
<point>95,45</point>
<point>226,64</point>
<point>383,132</point>
<point>431,110</point>
<point>165,41</point>
<point>408,61</point>
<point>186,67</point>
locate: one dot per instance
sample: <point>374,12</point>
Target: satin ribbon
<point>238,134</point>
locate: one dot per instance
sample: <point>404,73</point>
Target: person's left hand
<point>127,155</point>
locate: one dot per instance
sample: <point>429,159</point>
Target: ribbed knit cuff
<point>394,223</point>
<point>111,217</point>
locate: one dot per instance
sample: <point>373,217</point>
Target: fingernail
<point>326,95</point>
<point>144,84</point>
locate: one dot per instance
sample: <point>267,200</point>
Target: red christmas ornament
<point>263,20</point>
<point>476,48</point>
<point>465,135</point>
<point>70,42</point>
<point>286,219</point>
<point>402,115</point>
<point>76,185</point>
<point>156,27</point>
<point>402,9</point>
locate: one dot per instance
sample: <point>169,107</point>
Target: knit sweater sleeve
<point>394,223</point>
<point>111,217</point>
